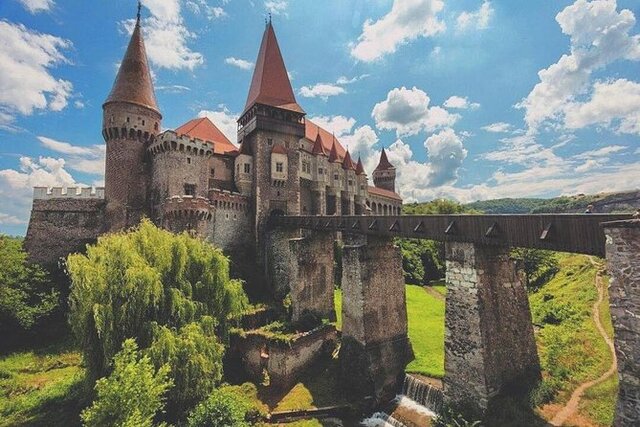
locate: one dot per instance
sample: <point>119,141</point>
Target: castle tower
<point>131,119</point>
<point>384,176</point>
<point>270,129</point>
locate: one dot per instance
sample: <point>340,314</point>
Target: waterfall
<point>381,419</point>
<point>422,393</point>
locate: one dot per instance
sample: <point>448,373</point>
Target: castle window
<point>269,141</point>
<point>247,168</point>
<point>336,177</point>
<point>143,123</point>
<point>279,167</point>
<point>350,183</point>
<point>155,126</point>
<point>362,187</point>
<point>188,160</point>
<point>213,172</point>
<point>190,189</point>
<point>128,120</point>
<point>320,171</point>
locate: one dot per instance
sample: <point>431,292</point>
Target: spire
<point>270,84</point>
<point>333,155</point>
<point>384,163</point>
<point>133,83</point>
<point>318,147</point>
<point>360,167</point>
<point>347,163</point>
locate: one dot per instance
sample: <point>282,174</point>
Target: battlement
<point>171,141</point>
<point>40,193</point>
<point>187,206</point>
<point>224,199</point>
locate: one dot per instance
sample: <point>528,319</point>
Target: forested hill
<point>603,203</point>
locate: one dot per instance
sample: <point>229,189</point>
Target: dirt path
<point>572,405</point>
<point>437,295</point>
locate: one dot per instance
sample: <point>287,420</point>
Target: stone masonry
<point>375,346</point>
<point>489,341</point>
<point>623,263</point>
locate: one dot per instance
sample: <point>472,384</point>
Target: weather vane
<point>139,9</point>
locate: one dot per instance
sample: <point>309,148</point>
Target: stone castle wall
<point>62,225</point>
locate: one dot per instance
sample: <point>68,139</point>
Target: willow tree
<point>146,284</point>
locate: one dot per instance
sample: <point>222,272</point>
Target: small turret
<point>384,176</point>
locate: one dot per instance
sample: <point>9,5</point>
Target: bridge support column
<point>623,263</point>
<point>375,346</point>
<point>303,268</point>
<point>489,341</point>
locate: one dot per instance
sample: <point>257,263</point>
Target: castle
<point>193,178</point>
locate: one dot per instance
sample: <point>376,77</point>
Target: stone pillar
<point>320,203</point>
<point>277,260</point>
<point>375,346</point>
<point>489,341</point>
<point>623,264</point>
<point>311,276</point>
<point>338,203</point>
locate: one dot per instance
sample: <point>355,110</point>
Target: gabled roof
<point>318,147</point>
<point>384,193</point>
<point>204,129</point>
<point>384,163</point>
<point>360,167</point>
<point>333,155</point>
<point>279,149</point>
<point>133,83</point>
<point>270,84</point>
<point>347,163</point>
<point>311,131</point>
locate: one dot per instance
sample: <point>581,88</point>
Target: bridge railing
<point>578,233</point>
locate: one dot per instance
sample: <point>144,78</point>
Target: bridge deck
<point>578,233</point>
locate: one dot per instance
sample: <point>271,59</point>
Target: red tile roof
<point>279,149</point>
<point>333,155</point>
<point>133,83</point>
<point>384,193</point>
<point>347,163</point>
<point>270,84</point>
<point>318,146</point>
<point>204,129</point>
<point>360,167</point>
<point>311,131</point>
<point>384,163</point>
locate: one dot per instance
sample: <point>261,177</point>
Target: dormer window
<point>269,141</point>
<point>279,167</point>
<point>247,168</point>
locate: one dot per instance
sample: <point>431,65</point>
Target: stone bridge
<point>489,340</point>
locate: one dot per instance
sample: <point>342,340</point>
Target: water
<point>417,397</point>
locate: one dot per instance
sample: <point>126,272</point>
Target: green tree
<point>538,266</point>
<point>132,395</point>
<point>229,406</point>
<point>27,296</point>
<point>169,292</point>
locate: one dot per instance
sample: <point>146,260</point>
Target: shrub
<point>229,406</point>
<point>132,395</point>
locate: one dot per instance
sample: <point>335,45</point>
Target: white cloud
<point>83,159</point>
<point>446,154</point>
<point>226,121</point>
<point>360,143</point>
<point>613,104</point>
<point>407,112</point>
<point>499,127</point>
<point>322,90</point>
<point>276,7</point>
<point>599,36</point>
<point>339,125</point>
<point>478,20</point>
<point>461,103</point>
<point>600,152</point>
<point>240,63</point>
<point>588,165</point>
<point>343,80</point>
<point>173,89</point>
<point>16,186</point>
<point>166,36</point>
<point>37,6</point>
<point>407,20</point>
<point>202,7</point>
<point>26,82</point>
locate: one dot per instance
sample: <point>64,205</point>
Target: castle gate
<point>489,340</point>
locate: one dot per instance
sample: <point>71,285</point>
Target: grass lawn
<point>42,387</point>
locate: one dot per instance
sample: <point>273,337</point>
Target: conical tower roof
<point>133,83</point>
<point>347,163</point>
<point>384,163</point>
<point>318,147</point>
<point>270,84</point>
<point>333,155</point>
<point>360,167</point>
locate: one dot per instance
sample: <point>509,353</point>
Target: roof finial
<point>269,18</point>
<point>139,9</point>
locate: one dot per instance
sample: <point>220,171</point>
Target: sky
<point>472,99</point>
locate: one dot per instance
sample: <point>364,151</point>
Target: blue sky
<point>473,99</point>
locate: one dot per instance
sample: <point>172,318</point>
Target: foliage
<point>228,406</point>
<point>451,418</point>
<point>130,283</point>
<point>436,207</point>
<point>132,395</point>
<point>538,265</point>
<point>195,355</point>
<point>27,296</point>
<point>507,206</point>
